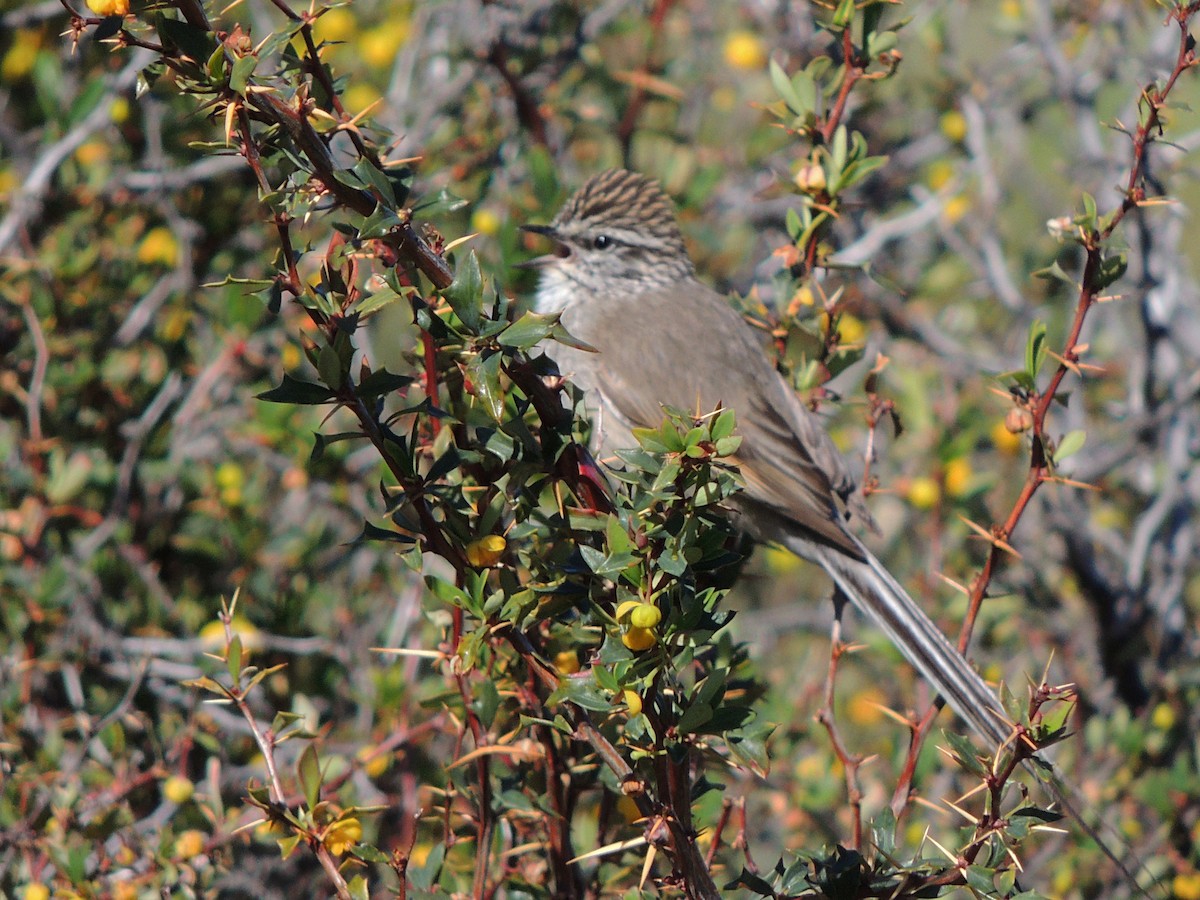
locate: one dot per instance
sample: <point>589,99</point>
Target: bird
<point>657,338</point>
<point>621,281</point>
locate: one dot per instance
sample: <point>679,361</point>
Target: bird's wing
<point>650,356</point>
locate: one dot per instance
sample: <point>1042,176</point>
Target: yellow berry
<point>956,208</point>
<point>212,635</point>
<point>342,835</point>
<point>638,639</point>
<point>486,551</point>
<point>1186,886</point>
<point>485,221</point>
<point>1163,718</point>
<point>865,707</point>
<point>567,662</point>
<point>645,615</point>
<point>158,246</point>
<point>957,477</point>
<point>924,493</point>
<point>954,125</point>
<point>939,174</point>
<point>633,701</point>
<point>36,892</point>
<point>1004,440</point>
<point>359,97</point>
<point>337,24</point>
<point>625,608</point>
<point>189,844</point>
<point>378,47</point>
<point>178,789</point>
<point>109,7</point>
<point>18,61</point>
<point>119,111</point>
<point>745,50</point>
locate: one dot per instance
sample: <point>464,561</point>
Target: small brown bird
<point>621,278</point>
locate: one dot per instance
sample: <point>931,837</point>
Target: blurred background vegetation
<point>144,482</point>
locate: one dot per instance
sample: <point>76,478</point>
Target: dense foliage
<point>302,550</point>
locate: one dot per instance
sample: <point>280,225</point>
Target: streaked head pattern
<point>617,232</point>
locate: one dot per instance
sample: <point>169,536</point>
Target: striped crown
<point>629,207</point>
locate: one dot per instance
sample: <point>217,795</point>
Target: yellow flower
<point>378,47</point>
<point>1163,717</point>
<point>374,763</point>
<point>639,639</point>
<point>567,662</point>
<point>358,97</point>
<point>486,551</point>
<point>957,477</point>
<point>956,207</point>
<point>18,62</point>
<point>745,50</point>
<point>485,221</point>
<point>633,701</point>
<point>119,111</point>
<point>36,892</point>
<point>1004,440</point>
<point>337,24</point>
<point>124,890</point>
<point>645,615</point>
<point>212,635</point>
<point>864,707</point>
<point>1186,886</point>
<point>939,174</point>
<point>342,835</point>
<point>851,329</point>
<point>109,7</point>
<point>189,844</point>
<point>158,246</point>
<point>953,125</point>
<point>923,493</point>
<point>178,789</point>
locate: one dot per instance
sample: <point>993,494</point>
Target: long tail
<point>876,594</point>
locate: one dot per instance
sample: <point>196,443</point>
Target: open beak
<point>560,249</point>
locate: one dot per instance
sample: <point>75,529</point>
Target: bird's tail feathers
<point>876,594</point>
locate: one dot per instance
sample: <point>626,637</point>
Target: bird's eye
<point>602,242</point>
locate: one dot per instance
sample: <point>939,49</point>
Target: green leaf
<point>303,393</point>
<point>382,382</point>
<point>376,301</point>
<point>239,77</point>
<point>329,367</point>
<point>980,879</point>
<point>233,658</point>
<point>288,845</point>
<point>375,533</point>
<point>783,86</point>
<point>485,383</point>
<point>357,886</point>
<point>694,717</point>
<point>1054,272</point>
<point>1035,348</point>
<point>843,16</point>
<point>308,769</point>
<point>965,754</point>
<point>1111,268</point>
<point>528,330</point>
<point>465,293</point>
<point>1071,443</point>
<point>195,42</point>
